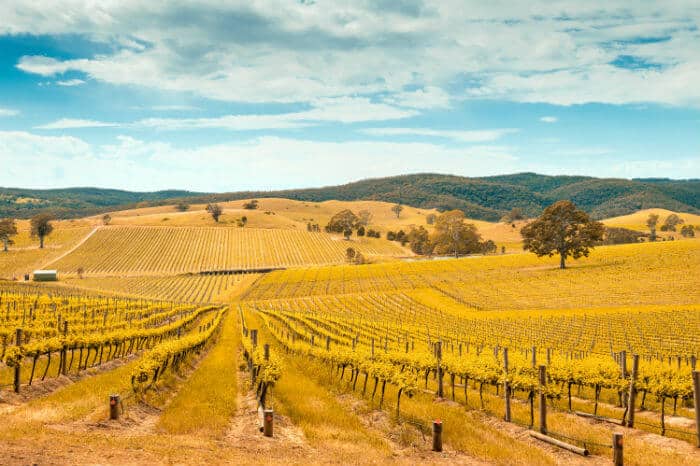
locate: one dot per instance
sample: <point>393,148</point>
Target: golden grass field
<point>641,297</point>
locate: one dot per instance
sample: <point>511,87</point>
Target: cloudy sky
<point>281,93</point>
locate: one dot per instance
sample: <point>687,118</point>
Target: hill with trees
<point>485,198</point>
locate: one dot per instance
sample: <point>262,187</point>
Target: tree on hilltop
<point>8,229</point>
<point>41,227</point>
<point>106,218</point>
<point>215,211</point>
<point>652,221</point>
<point>343,222</point>
<point>397,209</point>
<point>453,236</point>
<point>671,222</point>
<point>182,207</point>
<point>562,229</point>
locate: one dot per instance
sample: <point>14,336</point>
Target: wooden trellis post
<point>543,399</point>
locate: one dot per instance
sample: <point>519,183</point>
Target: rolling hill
<point>486,198</point>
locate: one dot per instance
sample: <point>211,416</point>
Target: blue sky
<point>284,94</point>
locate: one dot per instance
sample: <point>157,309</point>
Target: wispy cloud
<point>338,110</point>
<point>72,123</point>
<point>7,112</point>
<point>70,82</point>
<point>549,119</point>
<point>485,135</point>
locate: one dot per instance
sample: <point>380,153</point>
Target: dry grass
<point>207,400</point>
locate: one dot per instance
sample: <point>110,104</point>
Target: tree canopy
<point>215,211</point>
<point>8,228</point>
<point>453,236</point>
<point>343,221</point>
<point>41,227</point>
<point>562,229</point>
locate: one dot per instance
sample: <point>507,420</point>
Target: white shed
<point>45,275</point>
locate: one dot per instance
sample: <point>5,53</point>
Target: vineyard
<point>465,329</point>
<point>187,288</point>
<point>42,334</point>
<point>151,250</point>
<point>349,361</point>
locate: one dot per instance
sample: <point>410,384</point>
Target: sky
<point>262,95</point>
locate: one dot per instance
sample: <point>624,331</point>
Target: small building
<point>45,275</point>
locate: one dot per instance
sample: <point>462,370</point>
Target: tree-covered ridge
<point>486,198</point>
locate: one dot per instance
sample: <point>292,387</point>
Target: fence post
<point>254,337</point>
<point>534,356</point>
<point>506,385</point>
<point>18,366</point>
<point>438,354</point>
<point>633,391</point>
<point>267,351</point>
<point>268,420</point>
<point>114,405</point>
<point>543,399</point>
<point>696,396</point>
<point>437,435</point>
<point>617,449</point>
<point>64,352</point>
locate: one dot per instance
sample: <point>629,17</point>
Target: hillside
<point>486,198</point>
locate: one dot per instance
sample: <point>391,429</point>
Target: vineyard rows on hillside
<point>149,250</point>
<point>187,288</point>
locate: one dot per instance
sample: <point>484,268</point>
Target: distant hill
<point>486,198</point>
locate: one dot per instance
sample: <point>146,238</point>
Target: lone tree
<point>397,208</point>
<point>251,205</point>
<point>215,211</point>
<point>671,222</point>
<point>342,222</point>
<point>8,229</point>
<point>688,231</point>
<point>453,236</point>
<point>419,239</point>
<point>106,218</point>
<point>562,229</point>
<point>652,220</point>
<point>182,207</point>
<point>41,227</point>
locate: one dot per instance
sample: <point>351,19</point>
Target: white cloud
<point>70,82</point>
<point>302,51</point>
<point>337,110</point>
<point>7,112</point>
<point>549,119</point>
<point>485,135</point>
<point>169,108</point>
<point>138,165</point>
<point>72,123</point>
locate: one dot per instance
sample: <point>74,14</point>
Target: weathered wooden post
<point>266,349</point>
<point>633,391</point>
<point>617,449</point>
<point>543,399</point>
<point>438,355</point>
<point>254,337</point>
<point>534,356</point>
<point>549,356</point>
<point>268,421</point>
<point>696,396</point>
<point>437,435</point>
<point>64,352</point>
<point>693,362</point>
<point>328,343</point>
<point>115,403</point>
<point>506,385</point>
<point>18,364</point>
